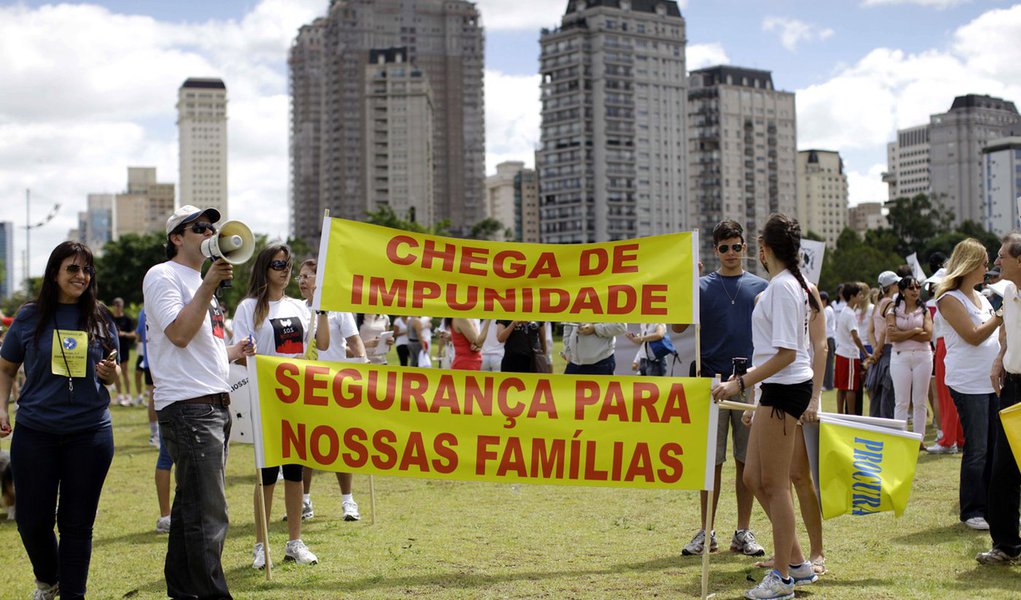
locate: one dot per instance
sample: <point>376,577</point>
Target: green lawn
<point>471,540</point>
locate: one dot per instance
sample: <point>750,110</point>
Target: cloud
<point>513,115</point>
<point>940,4</point>
<point>867,186</point>
<point>793,32</point>
<point>504,15</point>
<point>700,56</point>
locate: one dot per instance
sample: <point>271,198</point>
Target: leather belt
<point>221,399</point>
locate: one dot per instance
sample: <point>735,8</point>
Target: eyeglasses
<point>724,248</point>
<point>280,265</point>
<point>304,278</point>
<point>74,269</point>
<point>201,227</point>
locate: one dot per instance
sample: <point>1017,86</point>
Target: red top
<point>465,358</point>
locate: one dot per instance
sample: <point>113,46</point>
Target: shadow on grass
<point>933,536</point>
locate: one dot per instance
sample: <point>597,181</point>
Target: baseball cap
<point>187,214</point>
<point>888,278</point>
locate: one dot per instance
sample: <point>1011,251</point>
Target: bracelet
<point>740,382</point>
<point>320,312</point>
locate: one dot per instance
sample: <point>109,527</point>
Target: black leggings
<point>402,354</point>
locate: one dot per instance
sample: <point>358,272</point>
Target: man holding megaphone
<point>189,361</point>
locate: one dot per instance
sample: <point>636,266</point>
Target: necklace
<point>723,284</point>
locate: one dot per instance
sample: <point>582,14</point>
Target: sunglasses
<point>724,248</point>
<point>913,287</point>
<point>280,265</point>
<point>201,227</point>
<point>75,269</point>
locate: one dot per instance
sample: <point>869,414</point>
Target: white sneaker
<point>977,523</point>
<point>258,557</point>
<point>804,573</point>
<point>141,401</point>
<point>124,400</point>
<point>697,544</point>
<point>306,509</point>
<point>940,449</point>
<point>350,510</point>
<point>163,524</point>
<point>297,551</point>
<point>771,588</point>
<point>154,441</point>
<point>44,591</point>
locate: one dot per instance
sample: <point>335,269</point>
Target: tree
<point>486,229</point>
<point>916,220</point>
<point>855,259</point>
<point>386,217</point>
<point>124,263</point>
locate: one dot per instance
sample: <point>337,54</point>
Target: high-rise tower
<point>202,138</point>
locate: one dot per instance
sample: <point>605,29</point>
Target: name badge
<point>70,352</point>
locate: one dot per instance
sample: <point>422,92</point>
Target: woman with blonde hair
<point>972,346</point>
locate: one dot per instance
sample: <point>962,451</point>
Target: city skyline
<point>77,113</point>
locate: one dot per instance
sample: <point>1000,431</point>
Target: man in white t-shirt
<point>189,360</point>
<point>847,367</point>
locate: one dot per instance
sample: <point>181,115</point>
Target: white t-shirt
<point>847,321</point>
<point>201,367</point>
<point>1012,325</point>
<point>342,326</point>
<point>492,346</point>
<point>831,322</point>
<point>863,317</point>
<point>285,331</point>
<point>780,320</point>
<point>401,324</point>
<point>968,366</point>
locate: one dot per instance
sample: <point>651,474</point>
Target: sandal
<point>819,565</point>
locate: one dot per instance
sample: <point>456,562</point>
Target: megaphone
<point>233,243</point>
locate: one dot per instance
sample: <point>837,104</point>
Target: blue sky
<point>88,88</point>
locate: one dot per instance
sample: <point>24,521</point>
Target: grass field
<point>468,540</point>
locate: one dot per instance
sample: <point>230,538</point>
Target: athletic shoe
<point>306,509</point>
<point>977,523</point>
<point>297,551</point>
<point>996,557</point>
<point>697,544</point>
<point>154,441</point>
<point>940,449</point>
<point>141,401</point>
<point>744,542</point>
<point>45,591</point>
<point>771,588</point>
<point>163,524</point>
<point>804,573</point>
<point>258,557</point>
<point>350,510</point>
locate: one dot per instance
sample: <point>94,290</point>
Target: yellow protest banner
<point>864,469</point>
<point>367,268</point>
<point>1010,417</point>
<point>644,432</point>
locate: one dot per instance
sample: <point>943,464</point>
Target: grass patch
<point>472,540</point>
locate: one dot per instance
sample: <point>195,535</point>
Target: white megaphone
<point>233,243</point>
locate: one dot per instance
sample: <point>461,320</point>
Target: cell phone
<point>112,356</point>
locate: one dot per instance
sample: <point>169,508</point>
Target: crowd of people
<point>950,341</point>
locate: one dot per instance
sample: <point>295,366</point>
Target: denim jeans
<point>978,418</point>
<point>1005,480</point>
<point>653,368</point>
<point>77,464</point>
<point>196,436</point>
<point>604,367</point>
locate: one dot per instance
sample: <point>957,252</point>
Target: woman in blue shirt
<point>67,342</point>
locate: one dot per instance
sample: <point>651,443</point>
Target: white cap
<point>888,278</point>
<point>936,277</point>
<point>187,214</point>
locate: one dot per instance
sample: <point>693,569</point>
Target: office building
<point>527,222</point>
<point>332,69</point>
<point>907,163</point>
<point>866,216</point>
<point>743,152</point>
<point>144,206</point>
<point>822,194</point>
<point>202,139</point>
<point>502,195</point>
<point>612,162</point>
<point>95,224</point>
<point>1001,171</point>
<point>7,258</point>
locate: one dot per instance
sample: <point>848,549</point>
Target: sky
<point>88,89</point>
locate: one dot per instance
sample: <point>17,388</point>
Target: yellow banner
<point>372,269</point>
<point>865,469</point>
<point>643,432</point>
<point>1011,419</point>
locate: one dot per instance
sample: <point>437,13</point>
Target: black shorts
<point>291,473</point>
<point>792,399</point>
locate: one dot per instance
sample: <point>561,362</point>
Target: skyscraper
<point>95,224</point>
<point>331,75</point>
<point>501,195</point>
<point>743,151</point>
<point>956,140</point>
<point>526,206</point>
<point>1001,170</point>
<point>907,163</point>
<point>202,139</point>
<point>822,194</point>
<point>144,206</point>
<point>613,157</point>
<point>7,258</point>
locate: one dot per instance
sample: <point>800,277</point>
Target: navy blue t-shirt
<point>725,311</point>
<point>45,404</point>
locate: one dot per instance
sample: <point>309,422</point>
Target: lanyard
<point>70,381</point>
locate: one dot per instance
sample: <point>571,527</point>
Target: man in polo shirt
<point>189,361</point>
<point>1005,479</point>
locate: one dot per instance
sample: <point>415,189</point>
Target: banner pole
<point>372,500</point>
<point>706,544</point>
<point>263,523</point>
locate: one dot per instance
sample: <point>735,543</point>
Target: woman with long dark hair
<point>280,326</point>
<point>63,443</point>
<point>909,329</point>
<point>781,363</point>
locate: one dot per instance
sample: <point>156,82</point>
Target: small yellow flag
<point>1011,419</point>
<point>865,469</point>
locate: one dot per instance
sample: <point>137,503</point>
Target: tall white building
<point>95,224</point>
<point>956,139</point>
<point>907,163</point>
<point>500,194</point>
<point>1001,171</point>
<point>743,151</point>
<point>202,138</point>
<point>613,158</point>
<point>822,194</point>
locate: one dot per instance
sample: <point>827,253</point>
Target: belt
<point>1013,376</point>
<point>221,399</point>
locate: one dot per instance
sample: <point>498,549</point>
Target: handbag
<point>662,348</point>
<point>539,363</point>
<point>423,359</point>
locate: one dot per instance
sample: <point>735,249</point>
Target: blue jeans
<point>654,368</point>
<point>1005,480</point>
<point>196,436</point>
<point>978,419</point>
<point>77,464</point>
<point>604,367</point>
